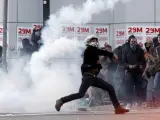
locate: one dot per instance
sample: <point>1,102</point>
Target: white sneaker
<point>128,106</point>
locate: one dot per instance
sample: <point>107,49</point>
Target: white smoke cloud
<point>54,71</point>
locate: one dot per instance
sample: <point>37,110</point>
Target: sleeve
<point>142,58</point>
<point>125,62</point>
<point>104,53</point>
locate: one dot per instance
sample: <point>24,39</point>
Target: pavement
<point>97,113</point>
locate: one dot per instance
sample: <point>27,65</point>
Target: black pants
<point>135,87</point>
<point>90,80</point>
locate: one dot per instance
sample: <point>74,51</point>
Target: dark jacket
<point>35,38</point>
<point>1,54</point>
<point>27,48</point>
<point>91,58</point>
<point>155,66</point>
<point>118,51</point>
<point>131,57</point>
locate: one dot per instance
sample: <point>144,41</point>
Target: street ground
<point>97,113</point>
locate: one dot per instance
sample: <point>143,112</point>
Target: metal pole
<point>4,51</point>
<point>46,10</point>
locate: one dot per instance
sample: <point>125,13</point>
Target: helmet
<point>92,40</point>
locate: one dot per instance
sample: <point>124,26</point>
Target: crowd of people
<point>136,75</point>
<point>130,73</point>
<point>31,45</point>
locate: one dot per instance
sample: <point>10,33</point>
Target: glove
<point>144,75</point>
<point>115,58</point>
<point>148,74</point>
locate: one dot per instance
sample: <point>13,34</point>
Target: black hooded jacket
<point>133,57</point>
<point>91,58</point>
<point>27,47</point>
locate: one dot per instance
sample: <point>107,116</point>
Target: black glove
<point>148,74</point>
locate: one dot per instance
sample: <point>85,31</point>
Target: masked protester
<point>133,58</point>
<point>147,76</point>
<point>90,69</point>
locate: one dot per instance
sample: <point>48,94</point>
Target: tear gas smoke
<point>54,71</point>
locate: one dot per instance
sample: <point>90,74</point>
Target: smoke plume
<point>54,71</point>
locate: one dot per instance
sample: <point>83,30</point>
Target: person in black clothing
<point>27,49</point>
<point>0,51</point>
<point>120,73</point>
<point>134,61</point>
<point>90,69</point>
<point>111,67</point>
<point>36,39</point>
<point>0,55</point>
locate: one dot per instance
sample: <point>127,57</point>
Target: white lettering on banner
<point>119,37</point>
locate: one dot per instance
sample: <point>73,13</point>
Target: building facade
<point>29,12</point>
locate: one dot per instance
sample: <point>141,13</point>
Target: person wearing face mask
<point>90,69</point>
<point>134,61</point>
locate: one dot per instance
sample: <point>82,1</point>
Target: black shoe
<point>58,105</point>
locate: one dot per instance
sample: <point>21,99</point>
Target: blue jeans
<point>150,89</point>
<point>157,86</point>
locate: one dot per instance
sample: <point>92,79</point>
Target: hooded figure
<point>0,54</point>
<point>155,69</point>
<point>36,39</point>
<point>134,61</point>
<point>27,48</point>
